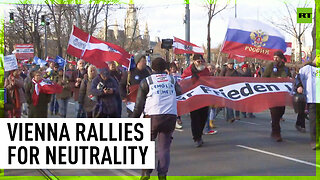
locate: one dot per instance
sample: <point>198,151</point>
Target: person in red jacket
<point>199,116</point>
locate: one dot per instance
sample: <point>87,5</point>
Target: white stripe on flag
<point>253,25</point>
<point>77,43</point>
<point>101,46</point>
<point>196,49</point>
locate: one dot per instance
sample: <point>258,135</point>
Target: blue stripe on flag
<point>243,37</point>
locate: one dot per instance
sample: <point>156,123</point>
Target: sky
<point>165,17</point>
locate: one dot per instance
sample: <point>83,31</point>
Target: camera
<point>101,86</point>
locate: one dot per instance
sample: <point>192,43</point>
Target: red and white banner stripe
<point>95,51</point>
<point>246,94</point>
<point>24,51</point>
<point>184,47</point>
<point>288,52</point>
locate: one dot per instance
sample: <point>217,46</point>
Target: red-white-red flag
<point>184,47</point>
<point>98,52</point>
<point>236,57</point>
<point>95,51</point>
<point>77,42</point>
<point>288,52</point>
<point>45,87</point>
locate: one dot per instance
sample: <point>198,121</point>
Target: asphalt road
<point>243,148</point>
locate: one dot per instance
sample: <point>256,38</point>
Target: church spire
<point>146,35</point>
<point>116,30</point>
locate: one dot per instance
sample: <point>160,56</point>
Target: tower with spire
<point>146,35</point>
<point>131,24</point>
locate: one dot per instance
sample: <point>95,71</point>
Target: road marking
<point>131,172</point>
<point>72,103</point>
<point>118,173</point>
<point>280,156</point>
<point>246,122</point>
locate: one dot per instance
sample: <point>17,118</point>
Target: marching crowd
<point>102,92</point>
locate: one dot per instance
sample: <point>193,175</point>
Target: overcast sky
<point>165,17</point>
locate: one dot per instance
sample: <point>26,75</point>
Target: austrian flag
<point>184,47</point>
<point>45,87</point>
<point>95,51</point>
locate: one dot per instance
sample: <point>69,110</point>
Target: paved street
<point>243,148</point>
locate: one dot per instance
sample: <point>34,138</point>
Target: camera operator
<point>106,89</point>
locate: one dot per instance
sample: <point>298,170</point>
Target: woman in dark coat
<point>36,109</point>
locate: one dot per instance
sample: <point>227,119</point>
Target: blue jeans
<point>212,116</point>
<point>230,114</point>
<point>63,107</point>
<point>54,105</point>
<point>79,110</point>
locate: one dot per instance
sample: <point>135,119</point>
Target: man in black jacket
<point>133,77</point>
<point>157,98</point>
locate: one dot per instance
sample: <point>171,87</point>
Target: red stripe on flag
<point>248,50</point>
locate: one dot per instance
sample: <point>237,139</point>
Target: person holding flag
<point>136,72</point>
<point>199,116</point>
<point>37,100</point>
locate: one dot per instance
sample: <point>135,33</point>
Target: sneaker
<point>211,124</point>
<point>178,126</point>
<point>211,132</point>
<point>301,129</point>
<point>198,143</point>
<point>315,146</point>
<point>231,120</point>
<point>276,136</point>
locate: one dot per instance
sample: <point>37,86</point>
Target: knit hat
<point>138,56</point>
<point>244,66</point>
<point>197,56</point>
<point>280,55</point>
<point>104,71</point>
<point>230,61</point>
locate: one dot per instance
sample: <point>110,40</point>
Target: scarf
<point>36,92</point>
<point>16,95</point>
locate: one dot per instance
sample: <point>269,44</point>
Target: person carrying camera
<point>106,89</point>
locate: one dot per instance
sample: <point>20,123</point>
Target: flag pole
<point>64,70</point>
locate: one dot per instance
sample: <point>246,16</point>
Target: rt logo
<point>304,15</point>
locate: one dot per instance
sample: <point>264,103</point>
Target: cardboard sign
<point>10,63</point>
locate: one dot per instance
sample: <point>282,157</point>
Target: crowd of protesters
<point>101,93</point>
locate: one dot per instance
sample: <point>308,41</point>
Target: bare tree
<point>213,9</point>
<point>289,25</point>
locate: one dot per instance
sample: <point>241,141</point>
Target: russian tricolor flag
<point>251,38</point>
